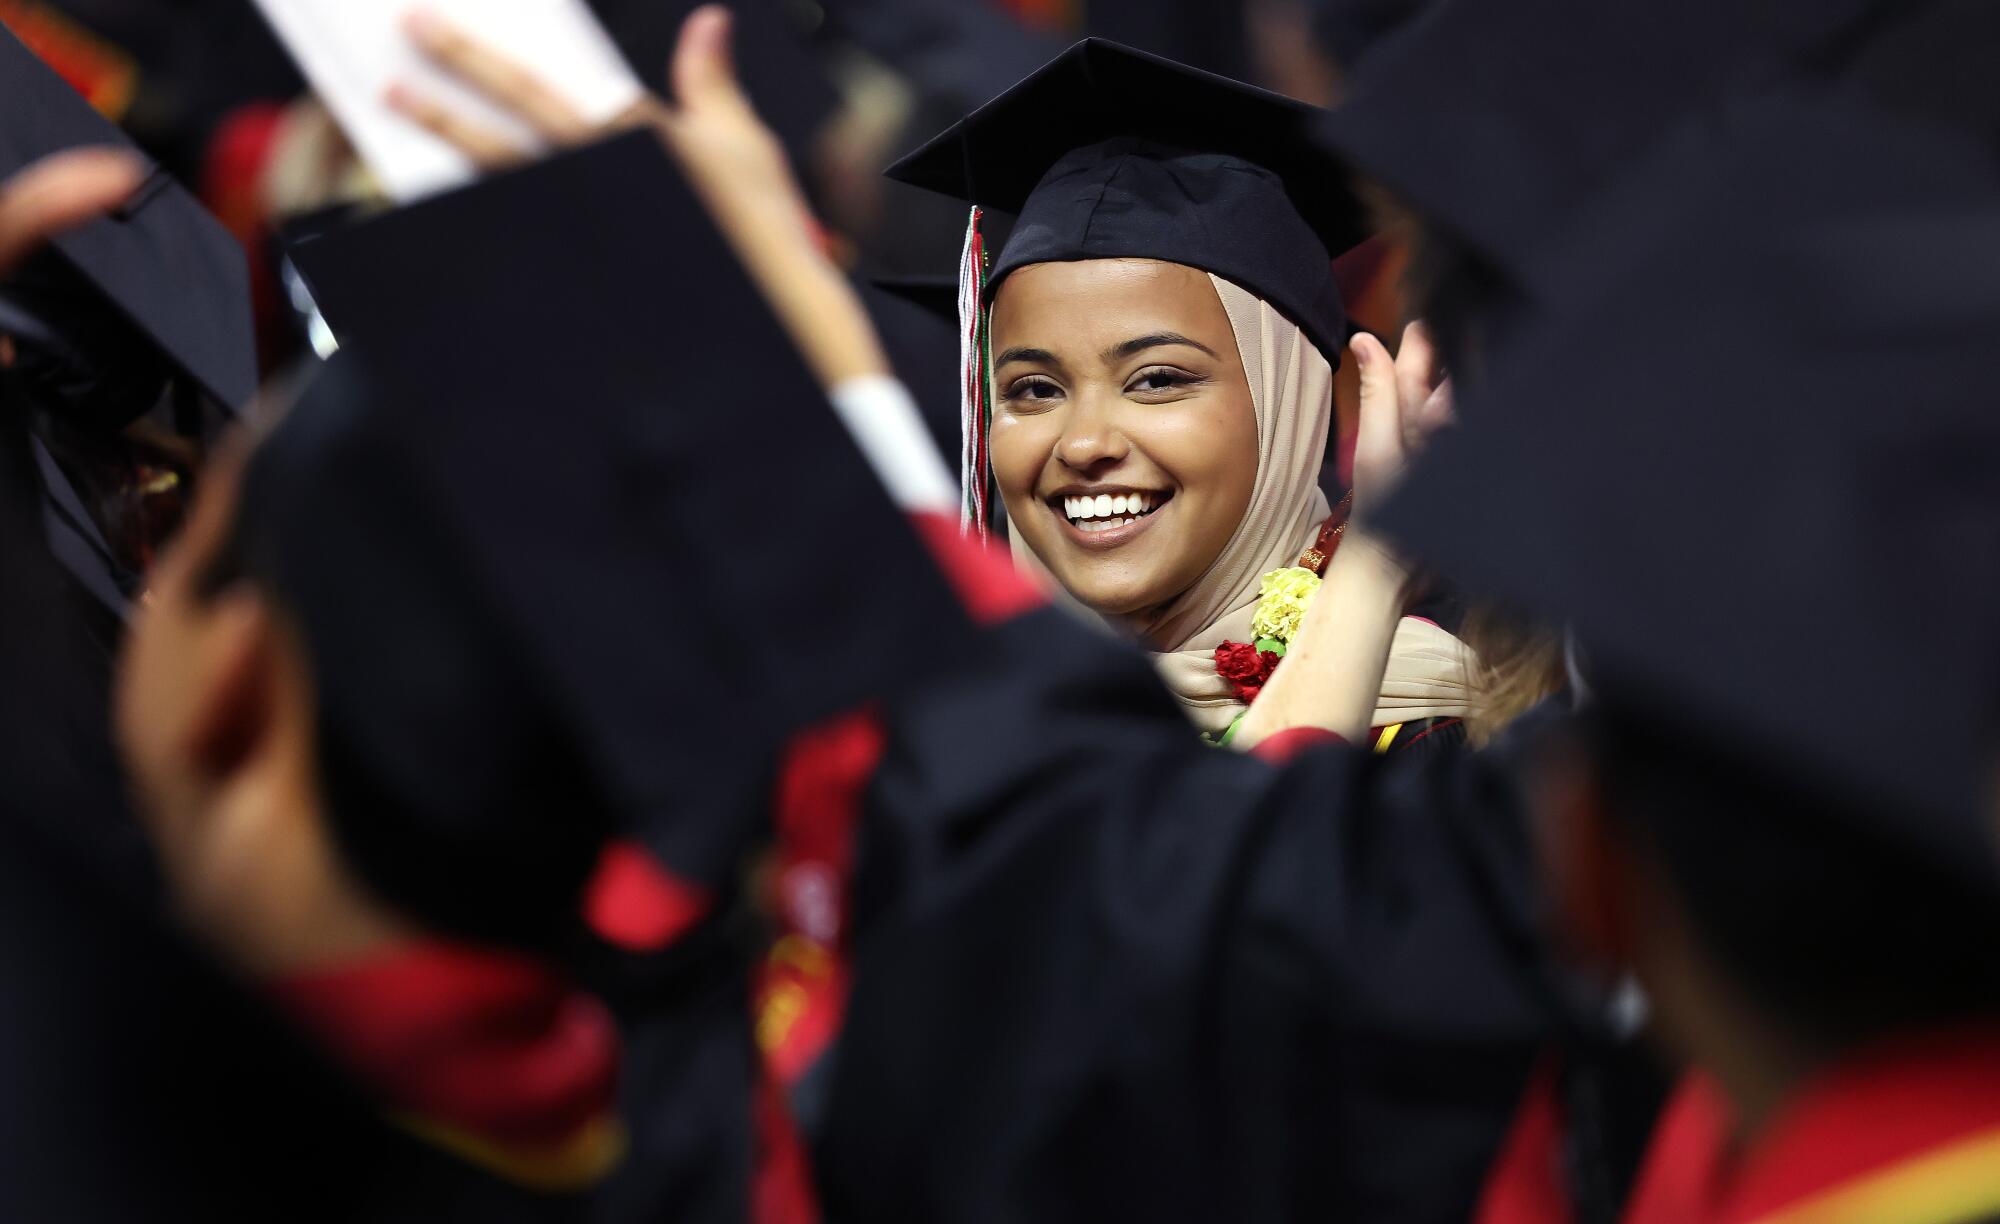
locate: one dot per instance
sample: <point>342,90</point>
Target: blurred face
<point>1124,435</point>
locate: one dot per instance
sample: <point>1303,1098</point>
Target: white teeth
<point>1096,525</point>
<point>1106,506</point>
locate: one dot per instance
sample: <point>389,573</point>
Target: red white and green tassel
<point>975,354</point>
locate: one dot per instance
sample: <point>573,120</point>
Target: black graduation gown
<point>1106,972</point>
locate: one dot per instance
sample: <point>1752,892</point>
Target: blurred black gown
<point>1104,972</point>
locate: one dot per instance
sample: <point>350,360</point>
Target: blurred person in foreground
<point>142,1082</point>
<point>1778,805</point>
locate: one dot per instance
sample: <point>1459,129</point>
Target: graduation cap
<point>1497,122</point>
<point>1764,490</point>
<point>572,537</point>
<point>1107,152</point>
<point>171,274</point>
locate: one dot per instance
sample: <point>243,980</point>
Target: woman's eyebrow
<point>1139,344</point>
<point>1035,355</point>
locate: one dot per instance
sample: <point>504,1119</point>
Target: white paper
<point>354,50</point>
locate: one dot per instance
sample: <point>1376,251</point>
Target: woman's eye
<point>1162,380</point>
<point>1033,390</point>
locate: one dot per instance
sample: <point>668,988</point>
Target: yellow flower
<point>1285,593</point>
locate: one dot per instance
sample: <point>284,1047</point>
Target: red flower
<point>1245,667</point>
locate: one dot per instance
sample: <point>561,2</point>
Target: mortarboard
<point>567,526</point>
<point>168,268</point>
<point>1107,153</point>
<point>1765,490</point>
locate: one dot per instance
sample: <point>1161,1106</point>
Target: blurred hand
<point>60,192</point>
<point>1403,402</point>
<point>734,162</point>
<point>214,716</point>
<point>707,121</point>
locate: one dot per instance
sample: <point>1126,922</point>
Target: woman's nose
<point>1091,439</point>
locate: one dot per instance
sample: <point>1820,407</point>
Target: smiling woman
<point>1163,326</point>
<point>1124,435</point>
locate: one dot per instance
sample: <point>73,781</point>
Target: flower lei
<point>1283,595</point>
<point>1282,598</point>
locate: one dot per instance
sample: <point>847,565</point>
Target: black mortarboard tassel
<point>584,540</point>
<point>160,260</point>
<point>1749,454</point>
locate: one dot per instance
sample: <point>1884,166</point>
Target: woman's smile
<point>1109,518</point>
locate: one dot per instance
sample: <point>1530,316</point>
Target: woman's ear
<point>1586,868</point>
<point>237,678</point>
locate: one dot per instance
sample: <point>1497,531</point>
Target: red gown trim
<point>1908,1131</point>
<point>487,1053</point>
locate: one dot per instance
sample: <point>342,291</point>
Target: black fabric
<point>953,55</point>
<point>1349,30</point>
<point>546,439</point>
<point>160,260</point>
<point>143,1085</point>
<point>1498,123</point>
<point>1105,972</point>
<point>1775,538</point>
<point>1108,152</point>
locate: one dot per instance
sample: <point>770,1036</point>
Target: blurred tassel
<point>975,415</point>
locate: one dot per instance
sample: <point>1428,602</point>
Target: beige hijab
<point>1291,387</point>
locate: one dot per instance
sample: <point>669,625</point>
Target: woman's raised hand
<point>1403,402</point>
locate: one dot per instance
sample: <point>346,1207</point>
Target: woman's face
<point>1124,435</point>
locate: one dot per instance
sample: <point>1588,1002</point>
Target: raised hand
<point>1403,402</point>
<point>60,192</point>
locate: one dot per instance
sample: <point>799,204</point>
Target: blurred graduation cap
<point>573,537</point>
<point>1496,122</point>
<point>1109,152</point>
<point>172,278</point>
<point>1763,486</point>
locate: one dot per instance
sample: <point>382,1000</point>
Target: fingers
<point>703,71</point>
<point>1440,409</point>
<point>481,145</point>
<point>1417,381</point>
<point>1380,428</point>
<point>59,193</point>
<point>509,85</point>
